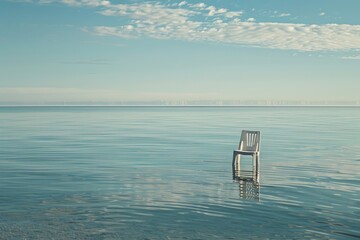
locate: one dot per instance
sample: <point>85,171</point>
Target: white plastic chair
<point>249,145</point>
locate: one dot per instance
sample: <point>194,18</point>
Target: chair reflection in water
<point>248,180</point>
<point>249,187</point>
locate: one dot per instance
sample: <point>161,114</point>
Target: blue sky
<point>98,51</point>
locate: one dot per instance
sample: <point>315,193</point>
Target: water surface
<point>165,173</point>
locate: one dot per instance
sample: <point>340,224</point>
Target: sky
<point>179,52</point>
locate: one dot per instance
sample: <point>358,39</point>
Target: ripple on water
<point>165,173</point>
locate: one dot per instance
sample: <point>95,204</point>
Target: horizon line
<point>178,105</point>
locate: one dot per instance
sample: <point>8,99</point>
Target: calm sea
<point>165,173</point>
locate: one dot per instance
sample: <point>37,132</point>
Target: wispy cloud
<point>77,3</point>
<point>276,14</point>
<point>163,22</point>
<point>202,22</point>
<point>352,57</point>
<point>284,15</point>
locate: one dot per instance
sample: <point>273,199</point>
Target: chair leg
<point>233,165</point>
<point>254,167</point>
<point>236,161</point>
<point>254,163</point>
<point>257,167</point>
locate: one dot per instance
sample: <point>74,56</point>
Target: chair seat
<point>245,152</point>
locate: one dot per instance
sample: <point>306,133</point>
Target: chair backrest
<point>250,141</point>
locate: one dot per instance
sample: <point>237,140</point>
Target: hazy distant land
<point>184,103</point>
